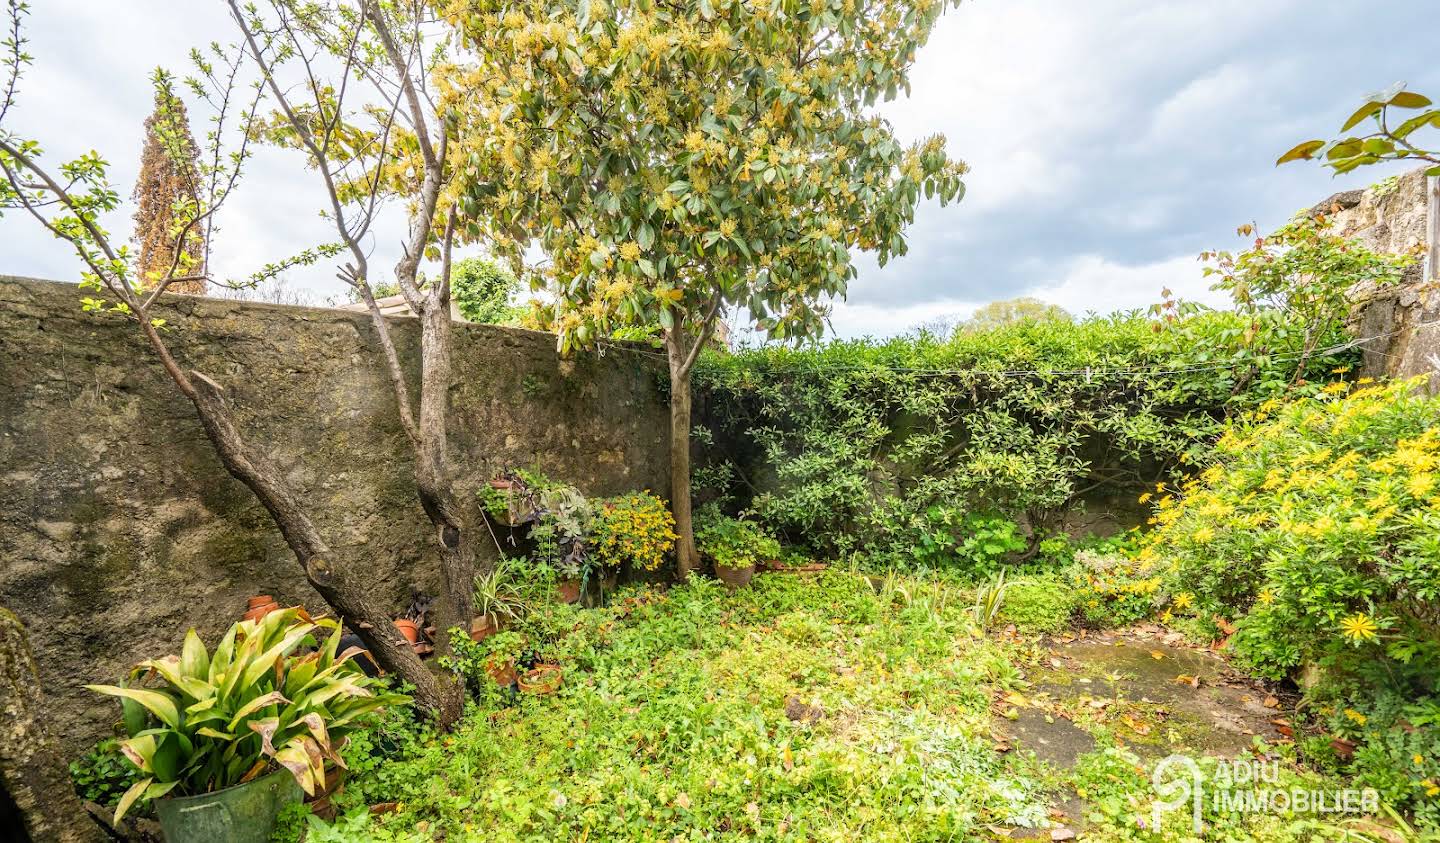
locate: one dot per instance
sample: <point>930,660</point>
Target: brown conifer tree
<point>168,175</point>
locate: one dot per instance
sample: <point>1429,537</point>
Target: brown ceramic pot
<point>409,629</point>
<point>501,672</point>
<point>542,679</point>
<point>735,577</point>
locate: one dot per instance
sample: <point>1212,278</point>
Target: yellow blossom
<point>1359,627</point>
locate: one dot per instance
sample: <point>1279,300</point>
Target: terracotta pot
<point>569,591</point>
<point>735,577</point>
<point>409,629</point>
<point>542,679</point>
<point>322,803</point>
<point>502,673</point>
<point>255,613</point>
<point>483,627</point>
<point>259,600</point>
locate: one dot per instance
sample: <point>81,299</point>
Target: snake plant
<point>200,722</point>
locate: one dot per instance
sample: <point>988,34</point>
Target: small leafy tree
<point>371,135</point>
<point>1303,270</point>
<point>678,159</point>
<point>998,314</point>
<point>482,290</point>
<point>169,170</point>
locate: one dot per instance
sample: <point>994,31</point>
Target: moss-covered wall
<point>120,529</point>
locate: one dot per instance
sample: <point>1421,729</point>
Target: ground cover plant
<point>802,708</point>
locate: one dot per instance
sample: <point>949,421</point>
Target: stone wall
<point>1403,320</point>
<point>120,529</point>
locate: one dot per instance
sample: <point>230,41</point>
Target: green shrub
<point>852,446</point>
<point>732,542</point>
<point>482,291</point>
<point>1039,603</point>
<point>1316,528</point>
<point>1115,590</point>
<point>946,538</point>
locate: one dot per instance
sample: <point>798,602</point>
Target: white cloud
<point>859,320</point>
<point>1093,283</point>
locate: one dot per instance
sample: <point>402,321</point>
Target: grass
<point>799,709</point>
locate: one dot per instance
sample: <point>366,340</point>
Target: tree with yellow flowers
<point>679,159</point>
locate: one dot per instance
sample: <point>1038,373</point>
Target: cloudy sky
<point>1110,140</point>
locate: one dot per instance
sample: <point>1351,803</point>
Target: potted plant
<point>502,652</point>
<point>496,600</point>
<point>733,546</point>
<point>541,679</point>
<point>226,739</point>
<point>412,621</point>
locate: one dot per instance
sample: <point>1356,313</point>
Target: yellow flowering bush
<point>1317,529</point>
<point>636,528</point>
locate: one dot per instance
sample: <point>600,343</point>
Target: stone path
<point>1153,692</point>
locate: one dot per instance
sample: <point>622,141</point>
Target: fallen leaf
<point>1156,655</point>
<point>1062,834</point>
<point>1271,702</point>
<point>683,800</point>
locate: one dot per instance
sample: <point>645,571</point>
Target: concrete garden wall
<point>120,529</point>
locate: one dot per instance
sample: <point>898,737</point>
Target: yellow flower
<point>1359,628</point>
<point>1203,535</point>
<point>1356,716</point>
<point>1266,597</point>
<point>1183,600</point>
<point>1430,787</point>
<point>1145,497</point>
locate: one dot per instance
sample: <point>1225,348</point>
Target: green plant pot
<point>244,813</point>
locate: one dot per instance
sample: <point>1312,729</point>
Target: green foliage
<point>947,537</point>
<point>1314,527</point>
<point>103,774</point>
<point>673,158</point>
<point>221,719</point>
<point>496,593</point>
<point>853,444</point>
<point>1304,271</point>
<point>1044,603</point>
<point>634,529</point>
<point>733,542</point>
<point>989,599</point>
<point>482,290</point>
<point>1390,141</point>
<point>998,314</point>
<point>1115,590</point>
<point>1398,747</point>
<point>797,709</point>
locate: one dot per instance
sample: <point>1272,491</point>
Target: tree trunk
<point>453,519</point>
<point>33,774</point>
<point>349,600</point>
<point>687,557</point>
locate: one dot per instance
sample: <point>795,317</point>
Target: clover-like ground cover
<point>826,708</point>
